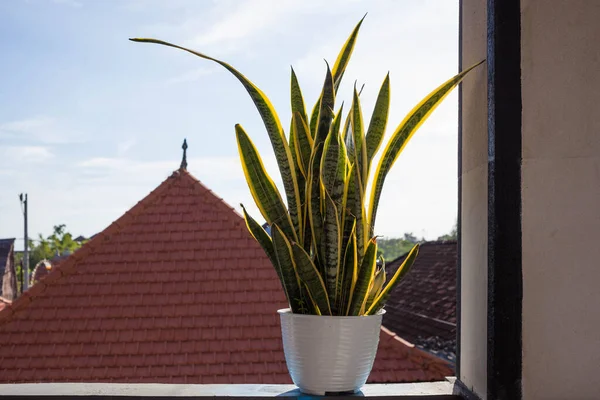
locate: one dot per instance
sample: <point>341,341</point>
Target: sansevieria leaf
<point>309,274</point>
<point>262,187</point>
<point>261,236</point>
<point>360,153</point>
<point>365,276</point>
<point>272,124</point>
<point>333,164</point>
<point>337,73</point>
<point>313,198</point>
<point>350,274</point>
<point>376,286</point>
<point>297,99</point>
<point>380,300</point>
<point>331,248</point>
<point>378,122</point>
<point>304,142</point>
<point>344,56</point>
<point>326,105</point>
<point>402,135</point>
<point>284,256</point>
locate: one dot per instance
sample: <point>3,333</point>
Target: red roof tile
<point>422,309</point>
<point>176,290</point>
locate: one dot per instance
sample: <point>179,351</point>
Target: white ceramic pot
<point>329,354</point>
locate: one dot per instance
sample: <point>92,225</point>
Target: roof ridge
<point>67,267</point>
<point>216,197</point>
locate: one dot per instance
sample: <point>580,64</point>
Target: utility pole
<point>23,199</point>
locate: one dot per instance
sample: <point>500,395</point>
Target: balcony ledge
<point>421,391</point>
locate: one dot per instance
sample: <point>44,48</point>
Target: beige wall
<point>561,198</point>
<point>473,357</point>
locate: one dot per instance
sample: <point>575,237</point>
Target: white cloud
<point>41,129</point>
<point>28,154</point>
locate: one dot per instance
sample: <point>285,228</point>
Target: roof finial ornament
<point>184,159</point>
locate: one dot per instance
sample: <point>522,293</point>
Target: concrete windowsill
<point>434,390</point>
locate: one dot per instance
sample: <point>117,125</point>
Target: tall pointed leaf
<point>297,99</point>
<point>262,237</point>
<point>304,142</point>
<point>272,124</point>
<point>333,164</point>
<point>380,300</point>
<point>300,180</point>
<point>355,210</point>
<point>360,154</point>
<point>337,73</point>
<point>365,276</point>
<point>402,135</point>
<point>326,105</point>
<point>378,121</point>
<point>344,56</point>
<point>308,273</point>
<point>261,185</point>
<point>283,254</point>
<point>313,198</point>
<point>331,248</point>
<point>376,287</point>
<point>349,275</point>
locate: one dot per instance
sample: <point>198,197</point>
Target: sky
<point>90,122</point>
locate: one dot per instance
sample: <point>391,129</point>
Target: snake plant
<point>322,243</point>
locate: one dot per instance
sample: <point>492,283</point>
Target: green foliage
<point>59,243</point>
<point>393,248</point>
<point>323,247</point>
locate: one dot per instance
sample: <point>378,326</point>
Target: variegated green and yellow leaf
<point>272,124</point>
<point>326,105</point>
<point>297,99</point>
<point>359,142</point>
<point>283,253</point>
<point>333,165</point>
<point>378,121</point>
<point>313,198</point>
<point>300,180</point>
<point>339,68</point>
<point>331,248</point>
<point>376,287</point>
<point>309,274</point>
<point>261,236</point>
<point>263,189</point>
<point>350,274</point>
<point>366,272</point>
<point>403,134</point>
<point>355,210</point>
<point>303,143</point>
<point>343,57</point>
<point>380,300</point>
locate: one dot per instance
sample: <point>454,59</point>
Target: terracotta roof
<point>175,291</point>
<point>422,309</point>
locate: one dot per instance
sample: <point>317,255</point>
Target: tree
<point>395,247</point>
<point>60,243</point>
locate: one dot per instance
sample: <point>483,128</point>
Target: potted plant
<point>322,242</point>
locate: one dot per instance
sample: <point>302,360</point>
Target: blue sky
<point>90,122</point>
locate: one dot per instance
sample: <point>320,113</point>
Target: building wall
<point>473,322</point>
<point>560,66</point>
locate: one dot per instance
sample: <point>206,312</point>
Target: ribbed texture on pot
<point>326,354</point>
